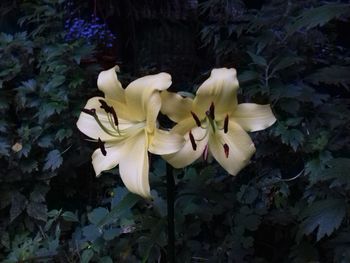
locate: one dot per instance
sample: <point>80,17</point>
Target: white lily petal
<point>253,117</point>
<point>240,148</point>
<point>109,84</point>
<point>175,106</point>
<point>221,89</point>
<point>102,163</point>
<point>133,166</point>
<point>164,142</point>
<point>186,155</point>
<point>138,93</point>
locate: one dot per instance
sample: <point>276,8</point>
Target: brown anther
<point>205,153</point>
<point>91,112</point>
<point>226,150</point>
<point>101,145</point>
<point>109,109</point>
<point>196,119</point>
<point>226,124</point>
<point>193,142</point>
<point>115,117</point>
<point>105,106</point>
<point>212,111</point>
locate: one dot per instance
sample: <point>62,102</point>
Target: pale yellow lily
<point>213,122</point>
<point>124,123</point>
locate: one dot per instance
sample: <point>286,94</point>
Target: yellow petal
<point>109,84</point>
<point>175,106</point>
<point>133,166</point>
<point>152,111</point>
<point>103,163</point>
<point>187,155</point>
<point>164,142</point>
<point>253,117</point>
<point>138,93</point>
<point>220,88</point>
<point>240,148</point>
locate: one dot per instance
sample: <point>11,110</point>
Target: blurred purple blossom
<point>94,31</point>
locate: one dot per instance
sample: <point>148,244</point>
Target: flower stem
<point>171,225</point>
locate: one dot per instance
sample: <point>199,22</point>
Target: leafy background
<point>291,204</point>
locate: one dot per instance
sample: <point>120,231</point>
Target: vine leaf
<point>325,216</point>
<point>53,160</point>
<point>318,16</point>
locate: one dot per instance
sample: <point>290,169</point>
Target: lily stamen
<point>212,111</point>
<point>205,153</point>
<point>91,112</point>
<point>226,150</point>
<point>193,142</point>
<point>226,124</point>
<point>101,145</point>
<point>196,119</point>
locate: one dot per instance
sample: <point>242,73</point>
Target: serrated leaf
<point>286,62</point>
<point>18,204</point>
<point>318,16</point>
<point>259,60</point>
<point>333,75</point>
<point>325,216</point>
<point>37,210</point>
<point>339,171</point>
<point>53,160</point>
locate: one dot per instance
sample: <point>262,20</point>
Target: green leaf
<point>333,75</point>
<point>111,233</point>
<point>318,16</point>
<point>18,204</point>
<point>87,255</point>
<point>325,216</point>
<point>105,259</point>
<point>286,62</point>
<point>97,215</point>
<point>53,160</point>
<point>124,205</point>
<point>70,217</point>
<point>37,211</point>
<point>259,60</point>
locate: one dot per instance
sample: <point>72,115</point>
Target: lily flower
<point>124,124</point>
<point>214,123</point>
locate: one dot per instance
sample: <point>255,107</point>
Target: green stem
<point>171,225</point>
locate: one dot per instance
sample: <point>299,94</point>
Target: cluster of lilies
<point>124,124</point>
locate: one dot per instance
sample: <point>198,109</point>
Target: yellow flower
<point>213,122</point>
<point>124,123</point>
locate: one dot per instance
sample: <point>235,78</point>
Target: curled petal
<point>139,92</point>
<point>233,149</point>
<point>152,111</point>
<point>221,90</point>
<point>164,142</point>
<point>133,166</point>
<point>175,106</point>
<point>106,162</point>
<point>253,117</point>
<point>109,84</point>
<point>187,155</point>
